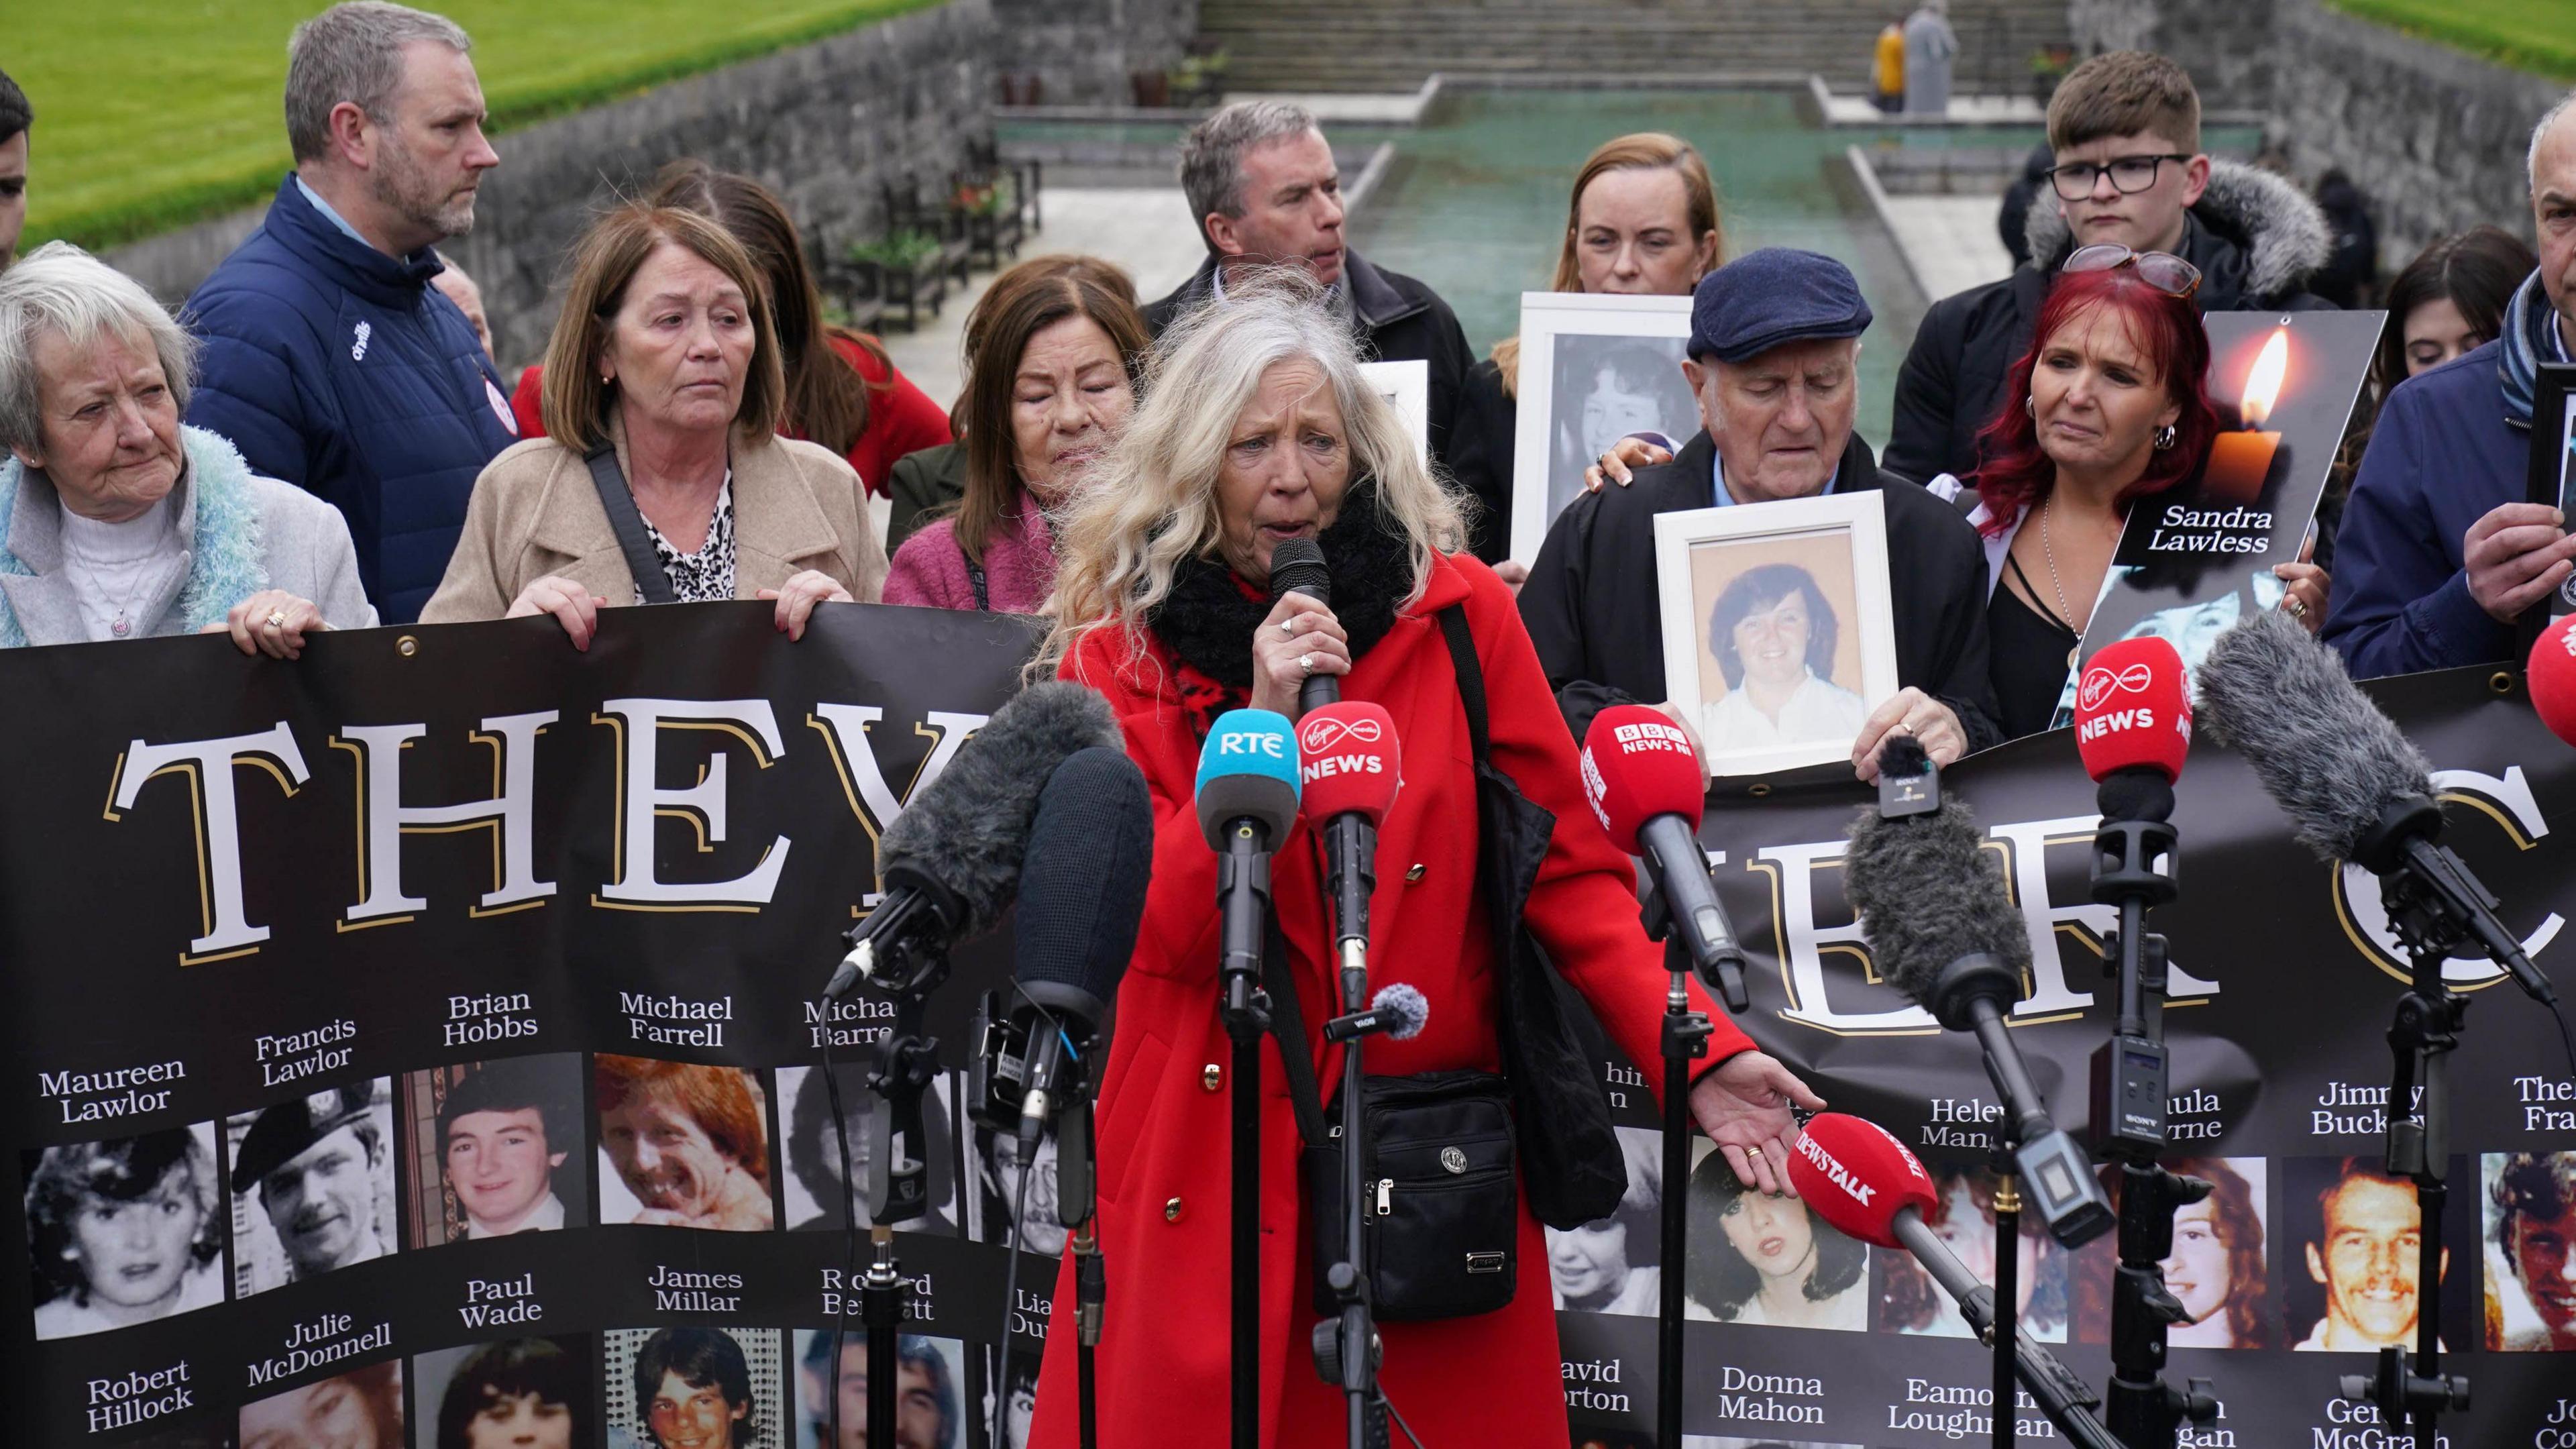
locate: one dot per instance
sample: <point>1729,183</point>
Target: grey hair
<point>2531,162</point>
<point>1150,503</point>
<point>61,291</point>
<point>352,52</point>
<point>1212,154</point>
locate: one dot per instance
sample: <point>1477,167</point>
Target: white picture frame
<point>1565,333</point>
<point>1839,543</point>
<point>1406,386</point>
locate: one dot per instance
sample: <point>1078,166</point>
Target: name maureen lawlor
<point>98,1096</point>
<point>292,1058</point>
<point>329,1339</point>
<point>117,1403</point>
<point>674,1020</point>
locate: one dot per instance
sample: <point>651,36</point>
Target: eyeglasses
<point>2163,271</point>
<point>2074,181</point>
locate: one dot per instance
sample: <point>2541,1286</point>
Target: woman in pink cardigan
<point>1048,390</point>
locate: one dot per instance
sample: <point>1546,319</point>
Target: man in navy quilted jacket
<point>330,361</point>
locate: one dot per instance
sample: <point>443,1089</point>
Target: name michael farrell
<point>646,1016</point>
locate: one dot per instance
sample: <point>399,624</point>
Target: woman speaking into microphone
<point>1257,427</point>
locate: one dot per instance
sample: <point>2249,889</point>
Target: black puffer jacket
<point>2256,238</point>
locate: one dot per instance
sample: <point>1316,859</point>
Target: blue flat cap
<point>1776,295</point>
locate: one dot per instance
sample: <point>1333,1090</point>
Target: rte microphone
<point>2552,678</point>
<point>2355,789</point>
<point>1247,799</point>
<point>1862,1182</point>
<point>1349,766</point>
<point>1943,932</point>
<point>1297,566</point>
<point>1645,785</point>
<point>1082,896</point>
<point>951,858</point>
<point>2133,727</point>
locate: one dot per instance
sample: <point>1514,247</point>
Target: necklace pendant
<point>2071,653</point>
<point>118,626</point>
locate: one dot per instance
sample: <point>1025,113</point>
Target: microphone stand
<point>2130,1081</point>
<point>2004,1333</point>
<point>1246,1011</point>
<point>1685,1039</point>
<point>1075,1204</point>
<point>1346,1346</point>
<point>897,1191</point>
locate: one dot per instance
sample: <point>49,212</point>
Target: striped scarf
<point>2530,339</point>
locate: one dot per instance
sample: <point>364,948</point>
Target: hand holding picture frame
<point>1779,630</point>
<point>1594,368</point>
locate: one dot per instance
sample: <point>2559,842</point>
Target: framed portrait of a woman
<point>1595,367</point>
<point>1779,636</point>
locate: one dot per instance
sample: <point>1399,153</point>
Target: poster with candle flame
<point>2197,557</point>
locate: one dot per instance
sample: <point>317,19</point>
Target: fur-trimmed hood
<point>2282,235</point>
<point>220,532</point>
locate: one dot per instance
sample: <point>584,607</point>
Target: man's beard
<point>402,185</point>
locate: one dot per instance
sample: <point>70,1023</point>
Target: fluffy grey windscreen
<point>2324,752</point>
<point>970,827</point>
<point>1927,894</point>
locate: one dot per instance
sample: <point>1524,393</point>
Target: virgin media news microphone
<point>1349,766</point>
<point>1942,931</point>
<point>2355,788</point>
<point>1247,799</point>
<point>1644,784</point>
<point>951,858</point>
<point>2133,727</point>
<point>1857,1177</point>
<point>1082,895</point>
<point>1297,567</point>
<point>2552,677</point>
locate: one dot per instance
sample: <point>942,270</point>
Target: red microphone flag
<point>1856,1176</point>
<point>2133,708</point>
<point>1348,761</point>
<point>2553,678</point>
<point>1638,764</point>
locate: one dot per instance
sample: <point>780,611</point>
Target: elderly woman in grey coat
<point>116,522</point>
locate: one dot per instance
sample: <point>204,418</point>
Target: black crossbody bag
<point>1446,1149</point>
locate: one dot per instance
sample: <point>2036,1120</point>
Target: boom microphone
<point>1645,786</point>
<point>1082,896</point>
<point>1297,567</point>
<point>1943,932</point>
<point>2133,727</point>
<point>1862,1182</point>
<point>951,858</point>
<point>2355,789</point>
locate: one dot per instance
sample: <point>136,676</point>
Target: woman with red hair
<point>2105,408</point>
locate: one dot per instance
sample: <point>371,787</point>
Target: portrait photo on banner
<point>814,1190</point>
<point>124,1231</point>
<point>683,1144</point>
<point>361,1406</point>
<point>1594,368</point>
<point>496,1148</point>
<point>1760,1261</point>
<point>533,1392</point>
<point>2349,1236</point>
<point>1020,1392</point>
<point>1613,1264</point>
<point>2529,1248</point>
<point>1962,1216</point>
<point>929,1394</point>
<point>694,1388</point>
<point>2219,1269</point>
<point>997,1174</point>
<point>312,1185</point>
<point>1779,633</point>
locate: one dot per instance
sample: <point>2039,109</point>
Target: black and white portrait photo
<point>312,1185</point>
<point>999,1174</point>
<point>496,1148</point>
<point>517,1393</point>
<point>124,1231</point>
<point>1017,1388</point>
<point>1613,1264</point>
<point>929,1391</point>
<point>815,1194</point>
<point>695,1388</point>
<point>1594,368</point>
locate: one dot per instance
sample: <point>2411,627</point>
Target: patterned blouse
<point>707,575</point>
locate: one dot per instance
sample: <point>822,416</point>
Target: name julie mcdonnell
<point>309,1352</point>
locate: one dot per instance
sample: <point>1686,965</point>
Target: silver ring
<point>276,619</point>
<point>2297,606</point>
<point>1306,662</point>
<point>1288,627</point>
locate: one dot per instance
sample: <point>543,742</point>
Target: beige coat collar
<point>778,529</point>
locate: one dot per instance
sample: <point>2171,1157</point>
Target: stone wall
<point>2227,45</point>
<point>1085,52</point>
<point>826,124</point>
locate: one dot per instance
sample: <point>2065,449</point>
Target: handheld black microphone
<point>951,859</point>
<point>1943,932</point>
<point>1297,566</point>
<point>1082,896</point>
<point>2353,786</point>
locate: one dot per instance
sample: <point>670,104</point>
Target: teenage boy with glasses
<point>2126,131</point>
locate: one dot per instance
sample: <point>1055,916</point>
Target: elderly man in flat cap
<point>1774,348</point>
<point>314,1162</point>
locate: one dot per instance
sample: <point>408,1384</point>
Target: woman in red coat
<point>1256,428</point>
<point>842,390</point>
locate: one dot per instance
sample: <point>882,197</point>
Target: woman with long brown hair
<point>1643,221</point>
<point>842,390</point>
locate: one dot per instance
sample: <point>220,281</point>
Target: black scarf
<point>1209,622</point>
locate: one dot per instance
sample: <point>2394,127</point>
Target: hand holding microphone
<point>1300,646</point>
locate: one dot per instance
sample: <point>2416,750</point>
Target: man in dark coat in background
<point>2126,131</point>
<point>1265,189</point>
<point>331,361</point>
<point>1773,339</point>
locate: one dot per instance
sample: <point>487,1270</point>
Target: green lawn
<point>2532,35</point>
<point>154,113</point>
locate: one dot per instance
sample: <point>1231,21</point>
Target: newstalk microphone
<point>2552,677</point>
<point>1644,784</point>
<point>951,858</point>
<point>1297,567</point>
<point>1863,1182</point>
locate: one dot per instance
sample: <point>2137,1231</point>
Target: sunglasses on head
<point>2163,271</point>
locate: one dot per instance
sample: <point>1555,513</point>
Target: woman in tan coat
<point>664,373</point>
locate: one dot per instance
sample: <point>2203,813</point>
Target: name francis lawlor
<point>97,1096</point>
<point>284,1059</point>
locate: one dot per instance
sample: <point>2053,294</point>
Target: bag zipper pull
<point>1385,1189</point>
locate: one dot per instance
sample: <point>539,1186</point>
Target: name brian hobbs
<point>645,1015</point>
<point>677,1292</point>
